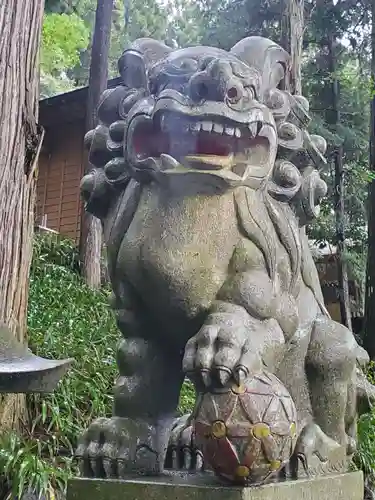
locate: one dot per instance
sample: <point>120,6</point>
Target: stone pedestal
<point>347,486</point>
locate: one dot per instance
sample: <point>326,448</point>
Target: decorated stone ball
<point>248,433</point>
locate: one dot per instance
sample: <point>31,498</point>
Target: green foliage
<point>65,319</point>
<point>352,134</point>
<point>144,18</point>
<point>52,85</point>
<point>63,37</point>
<point>31,465</point>
<point>56,251</point>
<point>187,398</point>
<point>365,457</point>
<point>68,28</point>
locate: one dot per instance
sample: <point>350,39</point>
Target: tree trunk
<point>369,333</point>
<point>342,269</point>
<point>334,119</point>
<point>296,42</point>
<point>20,143</point>
<point>292,29</point>
<point>91,230</point>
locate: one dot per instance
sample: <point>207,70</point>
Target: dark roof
<point>67,107</point>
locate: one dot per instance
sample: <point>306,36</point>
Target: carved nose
<point>200,87</point>
<point>212,82</point>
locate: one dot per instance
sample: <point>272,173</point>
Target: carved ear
<point>132,69</point>
<point>152,50</point>
<point>134,62</point>
<point>271,60</point>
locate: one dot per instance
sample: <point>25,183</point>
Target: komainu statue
<point>204,176</point>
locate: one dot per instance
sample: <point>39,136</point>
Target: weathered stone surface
<point>339,487</point>
<point>204,176</point>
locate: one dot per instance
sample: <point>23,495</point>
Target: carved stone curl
<point>204,177</point>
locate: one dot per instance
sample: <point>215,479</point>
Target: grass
<point>65,319</point>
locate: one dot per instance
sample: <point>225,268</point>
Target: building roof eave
<point>67,107</point>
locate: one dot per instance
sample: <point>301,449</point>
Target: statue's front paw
<point>218,355</point>
<point>183,453</point>
<point>115,447</point>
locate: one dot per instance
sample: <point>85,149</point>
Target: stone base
<point>176,486</point>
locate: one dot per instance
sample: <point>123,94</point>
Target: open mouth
<point>201,143</point>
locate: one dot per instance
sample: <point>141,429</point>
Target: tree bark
<point>292,30</point>
<point>342,268</point>
<point>91,230</point>
<point>20,143</point>
<point>369,333</point>
<point>334,119</point>
<point>296,42</point>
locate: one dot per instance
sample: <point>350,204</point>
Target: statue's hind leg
<point>330,367</point>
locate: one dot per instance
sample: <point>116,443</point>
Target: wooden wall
<point>60,173</point>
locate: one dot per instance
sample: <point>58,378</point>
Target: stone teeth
<point>268,132</point>
<point>253,128</point>
<point>168,161</point>
<point>207,126</point>
<point>218,128</point>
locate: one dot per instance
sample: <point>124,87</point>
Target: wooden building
<point>327,265</point>
<point>61,162</point>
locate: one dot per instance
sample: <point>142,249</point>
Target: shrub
<point>29,465</point>
<point>65,319</point>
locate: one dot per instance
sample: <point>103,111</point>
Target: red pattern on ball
<point>247,434</point>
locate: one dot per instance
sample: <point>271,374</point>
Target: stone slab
<point>348,486</point>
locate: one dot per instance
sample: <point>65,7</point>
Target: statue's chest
<point>179,248</point>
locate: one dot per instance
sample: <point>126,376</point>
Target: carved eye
<point>234,93</point>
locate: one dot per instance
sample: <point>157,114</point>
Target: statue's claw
<point>219,355</point>
<point>313,441</point>
<point>182,451</point>
<point>115,447</point>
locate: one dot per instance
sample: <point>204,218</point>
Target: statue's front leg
<point>146,396</point>
<point>240,334</point>
<point>135,439</point>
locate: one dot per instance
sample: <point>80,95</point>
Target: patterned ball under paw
<point>248,433</point>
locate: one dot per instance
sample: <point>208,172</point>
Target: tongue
<point>210,161</point>
<point>214,144</point>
